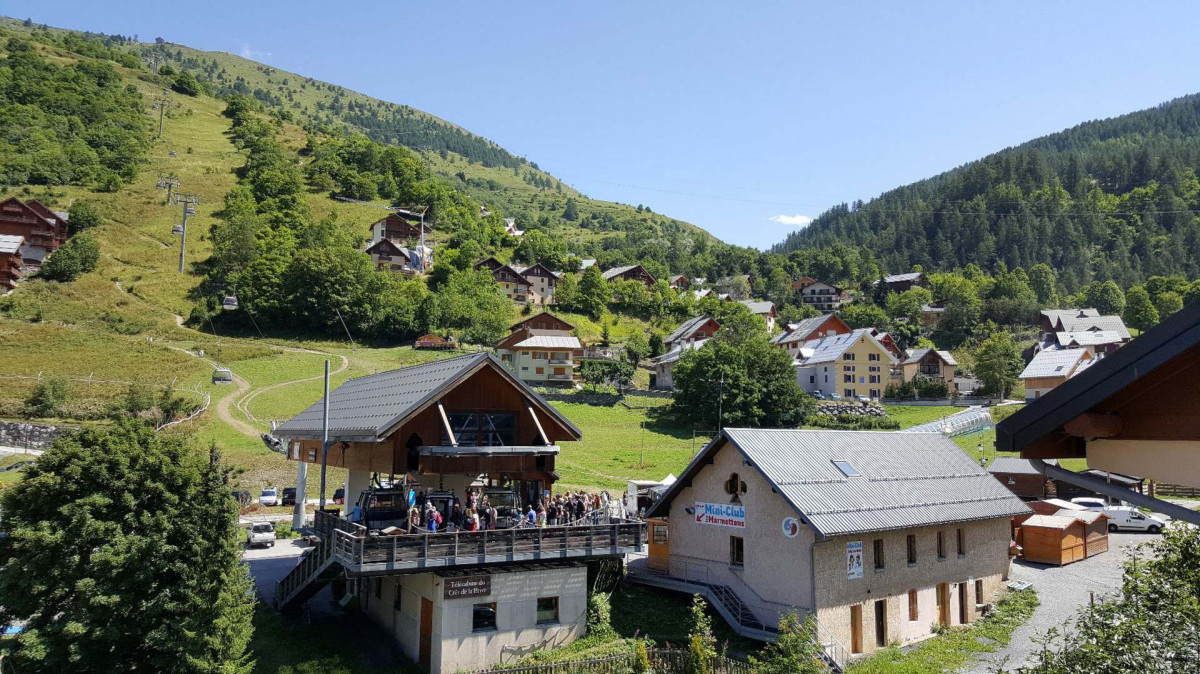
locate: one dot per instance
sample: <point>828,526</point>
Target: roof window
<point>847,469</point>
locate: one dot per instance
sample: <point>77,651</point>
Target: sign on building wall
<point>721,514</point>
<point>791,527</point>
<point>854,560</point>
<point>467,586</point>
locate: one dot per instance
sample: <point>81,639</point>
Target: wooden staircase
<point>316,568</point>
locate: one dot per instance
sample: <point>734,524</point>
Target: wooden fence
<point>662,661</point>
<point>1161,490</point>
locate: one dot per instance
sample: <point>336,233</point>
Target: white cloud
<point>253,54</point>
<point>796,220</point>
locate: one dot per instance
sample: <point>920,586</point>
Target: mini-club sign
<point>721,514</point>
<point>854,560</point>
<point>467,586</point>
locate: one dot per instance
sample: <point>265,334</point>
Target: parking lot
<point>1062,590</point>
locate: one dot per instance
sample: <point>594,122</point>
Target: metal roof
<point>366,408</point>
<point>1113,323</point>
<point>907,479</point>
<point>1089,516</point>
<point>799,332</point>
<point>1054,314</point>
<point>549,342</point>
<point>916,355</point>
<point>1088,337</point>
<point>1014,465</point>
<point>758,307</point>
<point>829,349</point>
<point>686,329</point>
<point>1053,363</point>
<point>616,271</point>
<point>896,278</point>
<point>10,243</point>
<point>675,353</point>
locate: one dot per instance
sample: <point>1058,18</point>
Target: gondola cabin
<point>229,303</point>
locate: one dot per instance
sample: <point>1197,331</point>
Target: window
<point>961,541</point>
<point>941,545</point>
<point>483,429</point>
<point>737,551</point>
<point>912,549</point>
<point>848,356</point>
<point>661,536</point>
<point>873,368</point>
<point>847,379</point>
<point>547,610</point>
<point>847,368</point>
<point>914,612</point>
<point>541,370</point>
<point>848,392</point>
<point>879,554</point>
<point>847,468</point>
<point>872,356</point>
<point>483,617</point>
<point>978,590</point>
<point>812,378</point>
<point>874,379</point>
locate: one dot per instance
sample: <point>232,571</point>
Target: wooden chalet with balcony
<point>10,261</point>
<point>400,225</point>
<point>457,598</point>
<point>629,273</point>
<point>41,229</point>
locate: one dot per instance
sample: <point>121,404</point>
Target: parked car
<point>243,497</point>
<point>269,497</point>
<point>1125,517</point>
<point>1091,503</point>
<point>289,496</point>
<point>835,396</point>
<point>261,533</point>
<point>864,399</point>
<point>818,395</point>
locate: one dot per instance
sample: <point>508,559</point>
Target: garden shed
<point>1095,526</point>
<point>1052,539</point>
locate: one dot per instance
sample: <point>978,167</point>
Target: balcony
<point>562,361</point>
<point>362,554</point>
<point>561,377</point>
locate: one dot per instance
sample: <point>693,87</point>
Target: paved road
<point>1062,592</point>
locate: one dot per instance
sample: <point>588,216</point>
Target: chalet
<point>881,536</point>
<point>663,373</point>
<point>1082,329</point>
<point>692,330</point>
<point>850,365</point>
<point>10,261</point>
<point>456,600</point>
<point>1021,478</point>
<point>515,286</point>
<point>795,335</point>
<point>888,342</point>
<point>389,256</point>
<point>511,229</point>
<point>764,309</point>
<point>400,225</point>
<point>802,283</point>
<point>679,282</point>
<point>42,230</point>
<point>544,323</point>
<point>541,358</point>
<point>629,273</point>
<point>931,314</point>
<point>1049,369</point>
<point>898,283</point>
<point>1133,412</point>
<point>929,364</point>
<point>820,296</point>
<point>542,282</point>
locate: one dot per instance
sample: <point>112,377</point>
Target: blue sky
<point>743,118</point>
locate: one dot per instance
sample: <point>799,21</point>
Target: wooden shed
<point>1052,539</point>
<point>1054,506</point>
<point>658,551</point>
<point>1095,526</point>
<point>1021,478</point>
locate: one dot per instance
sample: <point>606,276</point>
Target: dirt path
<point>223,403</point>
<point>243,404</point>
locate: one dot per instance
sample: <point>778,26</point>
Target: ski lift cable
<point>339,315</point>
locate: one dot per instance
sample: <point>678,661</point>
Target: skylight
<point>847,469</point>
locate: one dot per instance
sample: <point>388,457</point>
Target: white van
<point>269,497</point>
<point>1125,517</point>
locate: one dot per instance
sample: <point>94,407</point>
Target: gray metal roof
<point>829,349</point>
<point>616,271</point>
<point>758,307</point>
<point>896,278</point>
<point>907,479</point>
<point>1015,465</point>
<point>1088,337</point>
<point>1113,323</point>
<point>1054,314</point>
<point>549,342</point>
<point>677,352</point>
<point>1053,363</point>
<point>10,243</point>
<point>366,408</point>
<point>799,332</point>
<point>915,355</point>
<point>686,329</point>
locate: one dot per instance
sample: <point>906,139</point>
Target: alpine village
<point>298,380</point>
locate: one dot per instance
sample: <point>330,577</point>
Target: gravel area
<point>1062,591</point>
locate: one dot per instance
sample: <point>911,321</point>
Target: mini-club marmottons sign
<point>467,586</point>
<point>854,560</point>
<point>721,514</point>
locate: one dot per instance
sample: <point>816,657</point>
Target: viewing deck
<point>361,553</point>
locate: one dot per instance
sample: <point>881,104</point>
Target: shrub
<point>77,256</point>
<point>599,616</point>
<point>83,216</point>
<point>48,397</point>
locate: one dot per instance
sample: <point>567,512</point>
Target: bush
<point>599,616</point>
<point>932,388</point>
<point>185,83</point>
<point>48,397</point>
<point>78,256</point>
<point>83,216</point>
<point>853,422</point>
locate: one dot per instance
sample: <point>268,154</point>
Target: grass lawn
<point>954,648</point>
<point>283,645</point>
<point>915,415</point>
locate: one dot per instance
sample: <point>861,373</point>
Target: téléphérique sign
<point>721,514</point>
<point>467,586</point>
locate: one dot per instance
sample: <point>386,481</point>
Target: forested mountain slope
<point>1110,199</point>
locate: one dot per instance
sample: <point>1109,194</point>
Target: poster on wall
<point>791,527</point>
<point>854,560</point>
<point>721,514</point>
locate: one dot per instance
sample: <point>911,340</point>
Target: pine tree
<point>124,555</point>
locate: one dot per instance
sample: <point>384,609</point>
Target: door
<point>426,632</point>
<point>962,604</point>
<point>856,637</point>
<point>943,604</point>
<point>881,623</point>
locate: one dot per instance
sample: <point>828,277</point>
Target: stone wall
<point>834,408</point>
<point>29,435</point>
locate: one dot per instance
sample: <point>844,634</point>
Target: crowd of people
<point>572,508</point>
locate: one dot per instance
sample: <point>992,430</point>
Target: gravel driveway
<point>1062,590</point>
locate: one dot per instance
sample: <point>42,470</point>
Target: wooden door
<point>943,604</point>
<point>856,636</point>
<point>426,632</point>
<point>963,615</point>
<point>881,623</point>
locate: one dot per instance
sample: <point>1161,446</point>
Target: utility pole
<point>189,202</point>
<point>162,102</point>
<point>168,181</point>
<point>721,404</point>
<point>325,435</point>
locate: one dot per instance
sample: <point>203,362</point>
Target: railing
<point>303,572</point>
<point>325,522</point>
<point>562,377</point>
<point>361,553</point>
